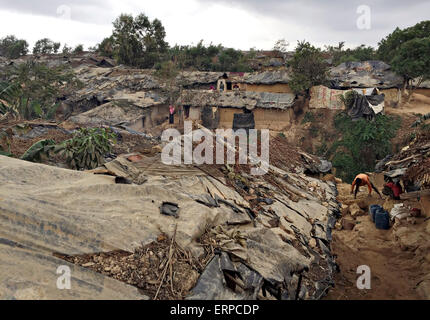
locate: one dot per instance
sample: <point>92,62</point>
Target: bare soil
<point>394,272</point>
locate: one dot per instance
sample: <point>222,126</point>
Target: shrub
<point>362,142</point>
<point>87,148</point>
<point>13,48</point>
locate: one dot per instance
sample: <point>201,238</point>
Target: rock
<point>344,210</point>
<point>411,220</point>
<point>89,264</point>
<point>363,204</point>
<point>355,210</point>
<point>409,240</point>
<point>348,224</point>
<point>328,177</point>
<point>424,289</point>
<point>156,149</point>
<point>427,229</point>
<point>389,204</point>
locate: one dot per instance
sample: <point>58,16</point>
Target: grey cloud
<point>337,19</point>
<point>89,11</point>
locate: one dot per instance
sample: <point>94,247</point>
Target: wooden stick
<point>168,262</point>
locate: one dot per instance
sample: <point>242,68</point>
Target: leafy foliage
<point>308,117</point>
<point>46,46</point>
<point>30,90</point>
<point>308,68</point>
<point>389,46</point>
<point>348,98</point>
<point>413,59</point>
<point>361,144</point>
<point>13,48</point>
<point>360,53</point>
<point>78,49</point>
<point>407,51</point>
<point>87,147</point>
<point>39,150</point>
<point>138,41</point>
<point>208,58</point>
<point>106,47</point>
<point>66,49</point>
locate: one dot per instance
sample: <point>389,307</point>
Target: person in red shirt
<point>362,180</point>
<point>394,190</point>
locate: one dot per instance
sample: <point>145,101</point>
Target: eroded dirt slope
<point>399,261</point>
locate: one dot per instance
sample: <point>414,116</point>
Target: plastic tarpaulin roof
<point>46,210</point>
<point>364,74</point>
<point>249,100</point>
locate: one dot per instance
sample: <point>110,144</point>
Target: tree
<point>308,68</point>
<point>232,60</point>
<point>361,143</point>
<point>46,46</point>
<point>33,88</point>
<point>138,41</point>
<point>198,57</point>
<point>106,47</point>
<point>360,53</point>
<point>412,60</point>
<point>13,48</point>
<point>78,49</point>
<point>389,46</point>
<point>407,51</point>
<point>281,46</point>
<point>66,49</point>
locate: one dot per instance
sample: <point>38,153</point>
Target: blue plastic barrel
<point>373,209</point>
<point>382,220</point>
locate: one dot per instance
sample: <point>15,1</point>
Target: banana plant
<point>39,150</point>
<point>87,148</point>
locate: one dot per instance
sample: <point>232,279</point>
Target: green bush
<point>39,150</point>
<point>87,148</point>
<point>309,117</point>
<point>13,48</point>
<point>361,144</point>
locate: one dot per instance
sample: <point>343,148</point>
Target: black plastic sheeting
<point>243,121</point>
<point>361,106</point>
<point>210,119</point>
<point>213,284</point>
<point>215,281</point>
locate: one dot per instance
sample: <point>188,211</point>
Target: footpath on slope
<point>398,258</point>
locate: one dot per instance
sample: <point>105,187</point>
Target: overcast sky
<point>241,24</point>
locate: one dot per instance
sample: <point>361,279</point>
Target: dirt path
<point>394,273</point>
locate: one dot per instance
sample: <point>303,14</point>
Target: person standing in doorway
<point>171,114</point>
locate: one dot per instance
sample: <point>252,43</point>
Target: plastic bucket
<point>382,220</point>
<point>373,209</point>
